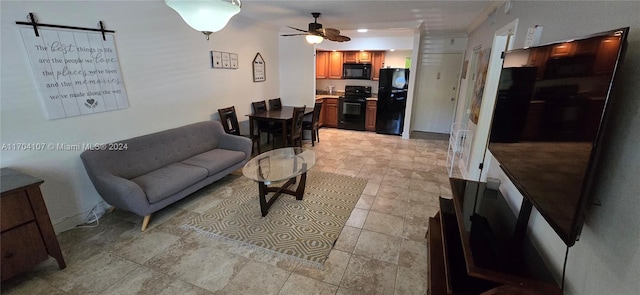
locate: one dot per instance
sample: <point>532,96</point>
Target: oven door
<point>351,113</point>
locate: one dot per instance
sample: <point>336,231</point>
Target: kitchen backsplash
<point>339,84</point>
<point>338,93</point>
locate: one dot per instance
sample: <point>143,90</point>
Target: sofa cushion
<point>216,160</point>
<point>166,181</point>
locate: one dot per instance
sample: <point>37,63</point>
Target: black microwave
<point>356,71</point>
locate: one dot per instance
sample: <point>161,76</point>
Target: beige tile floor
<point>381,250</point>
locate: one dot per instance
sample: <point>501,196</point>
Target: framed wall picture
<point>259,69</point>
<point>234,60</point>
<point>216,59</point>
<point>226,60</point>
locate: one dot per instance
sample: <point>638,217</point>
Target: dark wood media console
<point>478,246</point>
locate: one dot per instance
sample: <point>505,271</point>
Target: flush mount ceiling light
<point>362,30</point>
<point>206,16</point>
<point>314,39</point>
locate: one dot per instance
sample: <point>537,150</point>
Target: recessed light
<point>392,50</point>
<point>362,30</point>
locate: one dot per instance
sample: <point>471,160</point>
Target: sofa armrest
<point>121,192</point>
<point>236,143</point>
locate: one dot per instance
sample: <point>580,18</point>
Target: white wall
<point>606,259</point>
<point>166,69</point>
<point>297,72</point>
<point>396,59</point>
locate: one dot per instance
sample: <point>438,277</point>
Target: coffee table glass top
<point>279,164</point>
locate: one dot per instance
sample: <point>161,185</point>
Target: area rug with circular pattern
<point>304,230</point>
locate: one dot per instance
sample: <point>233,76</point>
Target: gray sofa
<point>147,173</point>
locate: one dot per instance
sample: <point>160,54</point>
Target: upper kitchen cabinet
<point>329,64</point>
<point>322,64</point>
<point>607,55</point>
<point>377,64</point>
<point>561,50</point>
<point>538,58</point>
<point>357,57</point>
<point>592,56</point>
<point>335,65</point>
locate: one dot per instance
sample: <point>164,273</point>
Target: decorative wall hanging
<point>224,60</point>
<point>478,88</point>
<point>259,71</point>
<point>77,72</point>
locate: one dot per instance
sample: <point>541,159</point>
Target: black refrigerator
<point>392,101</point>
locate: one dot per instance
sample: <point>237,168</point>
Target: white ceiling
<point>380,17</point>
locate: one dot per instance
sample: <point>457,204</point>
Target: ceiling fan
<point>316,29</point>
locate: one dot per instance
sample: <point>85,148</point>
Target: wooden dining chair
<point>229,120</point>
<point>295,131</point>
<point>267,127</point>
<point>259,106</point>
<point>313,125</point>
<point>275,104</point>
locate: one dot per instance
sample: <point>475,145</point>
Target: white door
<point>437,92</point>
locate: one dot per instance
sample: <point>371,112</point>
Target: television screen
<point>549,116</point>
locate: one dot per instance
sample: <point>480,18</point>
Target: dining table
<point>281,116</point>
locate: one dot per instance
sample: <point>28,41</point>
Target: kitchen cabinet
<point>357,57</point>
<point>538,58</point>
<point>27,237</point>
<point>335,65</point>
<point>377,63</point>
<point>330,107</point>
<point>561,50</point>
<point>585,47</point>
<point>606,56</point>
<point>364,57</point>
<point>322,64</point>
<point>350,56</point>
<point>370,116</point>
<point>329,64</point>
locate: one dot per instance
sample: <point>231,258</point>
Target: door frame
<point>502,41</point>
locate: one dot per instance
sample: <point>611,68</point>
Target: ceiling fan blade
<point>337,38</point>
<point>330,32</point>
<point>294,35</point>
<point>301,30</point>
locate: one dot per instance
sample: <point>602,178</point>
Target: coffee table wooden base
<point>264,190</point>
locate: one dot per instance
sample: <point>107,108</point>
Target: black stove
<point>352,107</point>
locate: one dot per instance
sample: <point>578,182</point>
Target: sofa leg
<point>145,222</point>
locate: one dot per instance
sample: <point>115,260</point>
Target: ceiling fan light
<point>314,39</point>
<point>206,16</point>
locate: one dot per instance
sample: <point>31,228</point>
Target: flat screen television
<point>549,118</point>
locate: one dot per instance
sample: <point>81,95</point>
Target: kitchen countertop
<point>326,95</point>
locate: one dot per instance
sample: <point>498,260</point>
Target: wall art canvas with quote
<point>76,72</point>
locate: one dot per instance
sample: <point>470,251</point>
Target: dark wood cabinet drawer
<point>15,209</point>
<point>21,248</point>
<point>27,236</point>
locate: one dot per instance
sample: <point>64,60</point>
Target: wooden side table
<point>27,237</point>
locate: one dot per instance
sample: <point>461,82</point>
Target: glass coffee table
<point>279,165</point>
